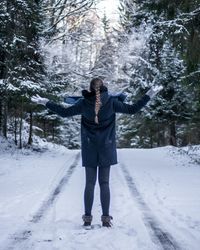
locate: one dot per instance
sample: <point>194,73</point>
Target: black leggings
<point>103,178</point>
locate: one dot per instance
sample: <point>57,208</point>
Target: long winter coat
<point>98,143</point>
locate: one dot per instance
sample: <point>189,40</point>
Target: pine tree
<point>22,70</point>
<point>106,65</point>
<point>163,60</point>
<point>106,24</point>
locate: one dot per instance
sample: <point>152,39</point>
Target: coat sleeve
<point>120,107</point>
<point>75,109</point>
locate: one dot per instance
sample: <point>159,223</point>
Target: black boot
<point>106,220</point>
<point>87,220</point>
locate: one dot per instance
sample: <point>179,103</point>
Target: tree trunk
<point>5,118</point>
<point>53,131</point>
<point>15,126</point>
<point>20,125</point>
<point>52,17</point>
<point>76,55</point>
<point>0,117</point>
<point>151,140</point>
<point>172,134</point>
<point>30,138</point>
<point>44,128</point>
<point>157,136</point>
<point>162,136</point>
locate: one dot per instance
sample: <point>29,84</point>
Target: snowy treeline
<point>163,48</point>
<point>54,48</point>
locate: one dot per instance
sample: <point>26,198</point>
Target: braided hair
<point>95,85</point>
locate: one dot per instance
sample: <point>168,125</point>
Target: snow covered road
<point>155,202</point>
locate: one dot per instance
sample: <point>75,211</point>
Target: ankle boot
<point>106,220</point>
<point>87,219</point>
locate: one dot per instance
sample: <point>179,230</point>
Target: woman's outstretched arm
<point>120,107</point>
<point>75,109</point>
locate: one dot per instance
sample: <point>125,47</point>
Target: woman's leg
<point>91,176</point>
<point>104,175</point>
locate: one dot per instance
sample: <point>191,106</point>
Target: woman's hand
<point>153,91</point>
<point>39,100</point>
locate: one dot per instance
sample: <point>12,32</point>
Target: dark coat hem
<point>99,165</point>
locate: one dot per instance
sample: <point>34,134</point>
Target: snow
<point>169,183</point>
<point>41,200</point>
<point>110,8</point>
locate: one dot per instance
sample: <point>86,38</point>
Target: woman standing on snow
<point>98,144</point>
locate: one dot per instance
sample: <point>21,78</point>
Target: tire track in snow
<point>159,235</point>
<point>49,202</point>
<point>21,236</point>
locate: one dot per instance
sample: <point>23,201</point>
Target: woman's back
<point>98,139</point>
<point>106,112</point>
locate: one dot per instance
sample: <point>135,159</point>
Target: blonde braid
<point>97,103</point>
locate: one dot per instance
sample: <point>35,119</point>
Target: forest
<point>55,47</point>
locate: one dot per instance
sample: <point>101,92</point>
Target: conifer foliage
<point>170,57</point>
<point>21,68</point>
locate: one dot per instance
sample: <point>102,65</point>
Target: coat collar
<point>91,97</point>
<point>88,94</point>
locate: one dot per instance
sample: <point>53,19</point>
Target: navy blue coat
<point>98,143</point>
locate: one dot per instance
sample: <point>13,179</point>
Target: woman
<point>98,145</point>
